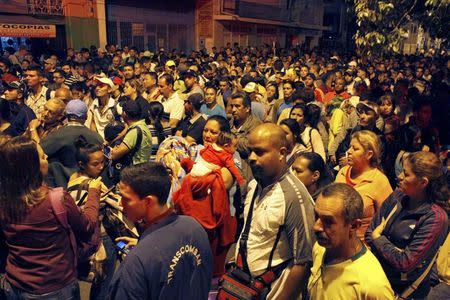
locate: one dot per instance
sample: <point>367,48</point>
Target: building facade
<point>257,22</point>
<point>340,30</point>
<point>151,24</point>
<point>196,24</point>
<point>53,24</point>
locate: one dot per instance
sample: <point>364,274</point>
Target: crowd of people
<point>228,173</point>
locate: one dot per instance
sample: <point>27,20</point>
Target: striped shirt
<point>287,206</point>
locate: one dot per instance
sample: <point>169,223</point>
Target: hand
<point>333,159</point>
<point>34,124</point>
<point>425,148</point>
<point>343,161</point>
<point>96,183</point>
<point>376,233</point>
<point>130,242</point>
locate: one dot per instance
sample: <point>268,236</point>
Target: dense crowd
<point>233,172</point>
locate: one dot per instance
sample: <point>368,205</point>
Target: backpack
<point>116,166</point>
<point>83,250</point>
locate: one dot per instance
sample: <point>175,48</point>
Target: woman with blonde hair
<point>364,174</point>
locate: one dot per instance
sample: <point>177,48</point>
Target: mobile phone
<point>121,246</point>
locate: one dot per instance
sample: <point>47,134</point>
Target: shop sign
<point>27,30</point>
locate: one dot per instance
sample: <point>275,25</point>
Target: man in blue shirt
<point>172,259</point>
<point>211,107</point>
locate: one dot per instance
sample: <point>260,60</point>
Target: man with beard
<point>191,127</point>
<point>343,267</point>
<point>50,120</point>
<point>280,237</point>
<point>191,83</point>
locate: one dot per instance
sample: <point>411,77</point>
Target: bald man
<point>280,236</point>
<point>63,94</point>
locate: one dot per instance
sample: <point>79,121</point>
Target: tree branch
<point>405,15</point>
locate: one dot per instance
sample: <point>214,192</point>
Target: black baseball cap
<point>16,85</point>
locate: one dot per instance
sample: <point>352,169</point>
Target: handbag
<point>237,283</point>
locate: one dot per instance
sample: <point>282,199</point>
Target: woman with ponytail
<point>408,230</point>
<point>100,268</point>
<point>159,127</point>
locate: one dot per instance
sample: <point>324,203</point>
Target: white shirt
<point>174,106</point>
<point>100,118</point>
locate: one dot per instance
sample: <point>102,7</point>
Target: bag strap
<point>310,139</point>
<point>391,213</point>
<point>406,293</point>
<point>138,140</point>
<point>56,200</point>
<point>84,186</point>
<point>242,260</point>
<point>48,94</point>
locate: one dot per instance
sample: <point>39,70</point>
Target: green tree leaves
<point>382,24</point>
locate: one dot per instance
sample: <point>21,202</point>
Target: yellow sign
<point>28,30</point>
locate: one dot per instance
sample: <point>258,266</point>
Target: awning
<point>28,30</point>
<point>270,22</point>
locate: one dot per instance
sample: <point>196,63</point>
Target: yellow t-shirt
<point>360,277</point>
<point>443,261</point>
<point>284,115</point>
<point>374,188</point>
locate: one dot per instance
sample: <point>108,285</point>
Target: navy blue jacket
<point>21,115</point>
<point>172,260</point>
<point>408,242</point>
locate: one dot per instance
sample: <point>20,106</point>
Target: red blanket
<point>206,200</point>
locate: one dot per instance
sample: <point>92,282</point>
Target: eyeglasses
<point>57,77</point>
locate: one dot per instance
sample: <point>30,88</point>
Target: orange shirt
<point>374,188</point>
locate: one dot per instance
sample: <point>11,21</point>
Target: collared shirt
<point>172,260</point>
<point>37,101</point>
<point>284,206</point>
<point>359,277</point>
<point>174,106</point>
<point>101,117</point>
